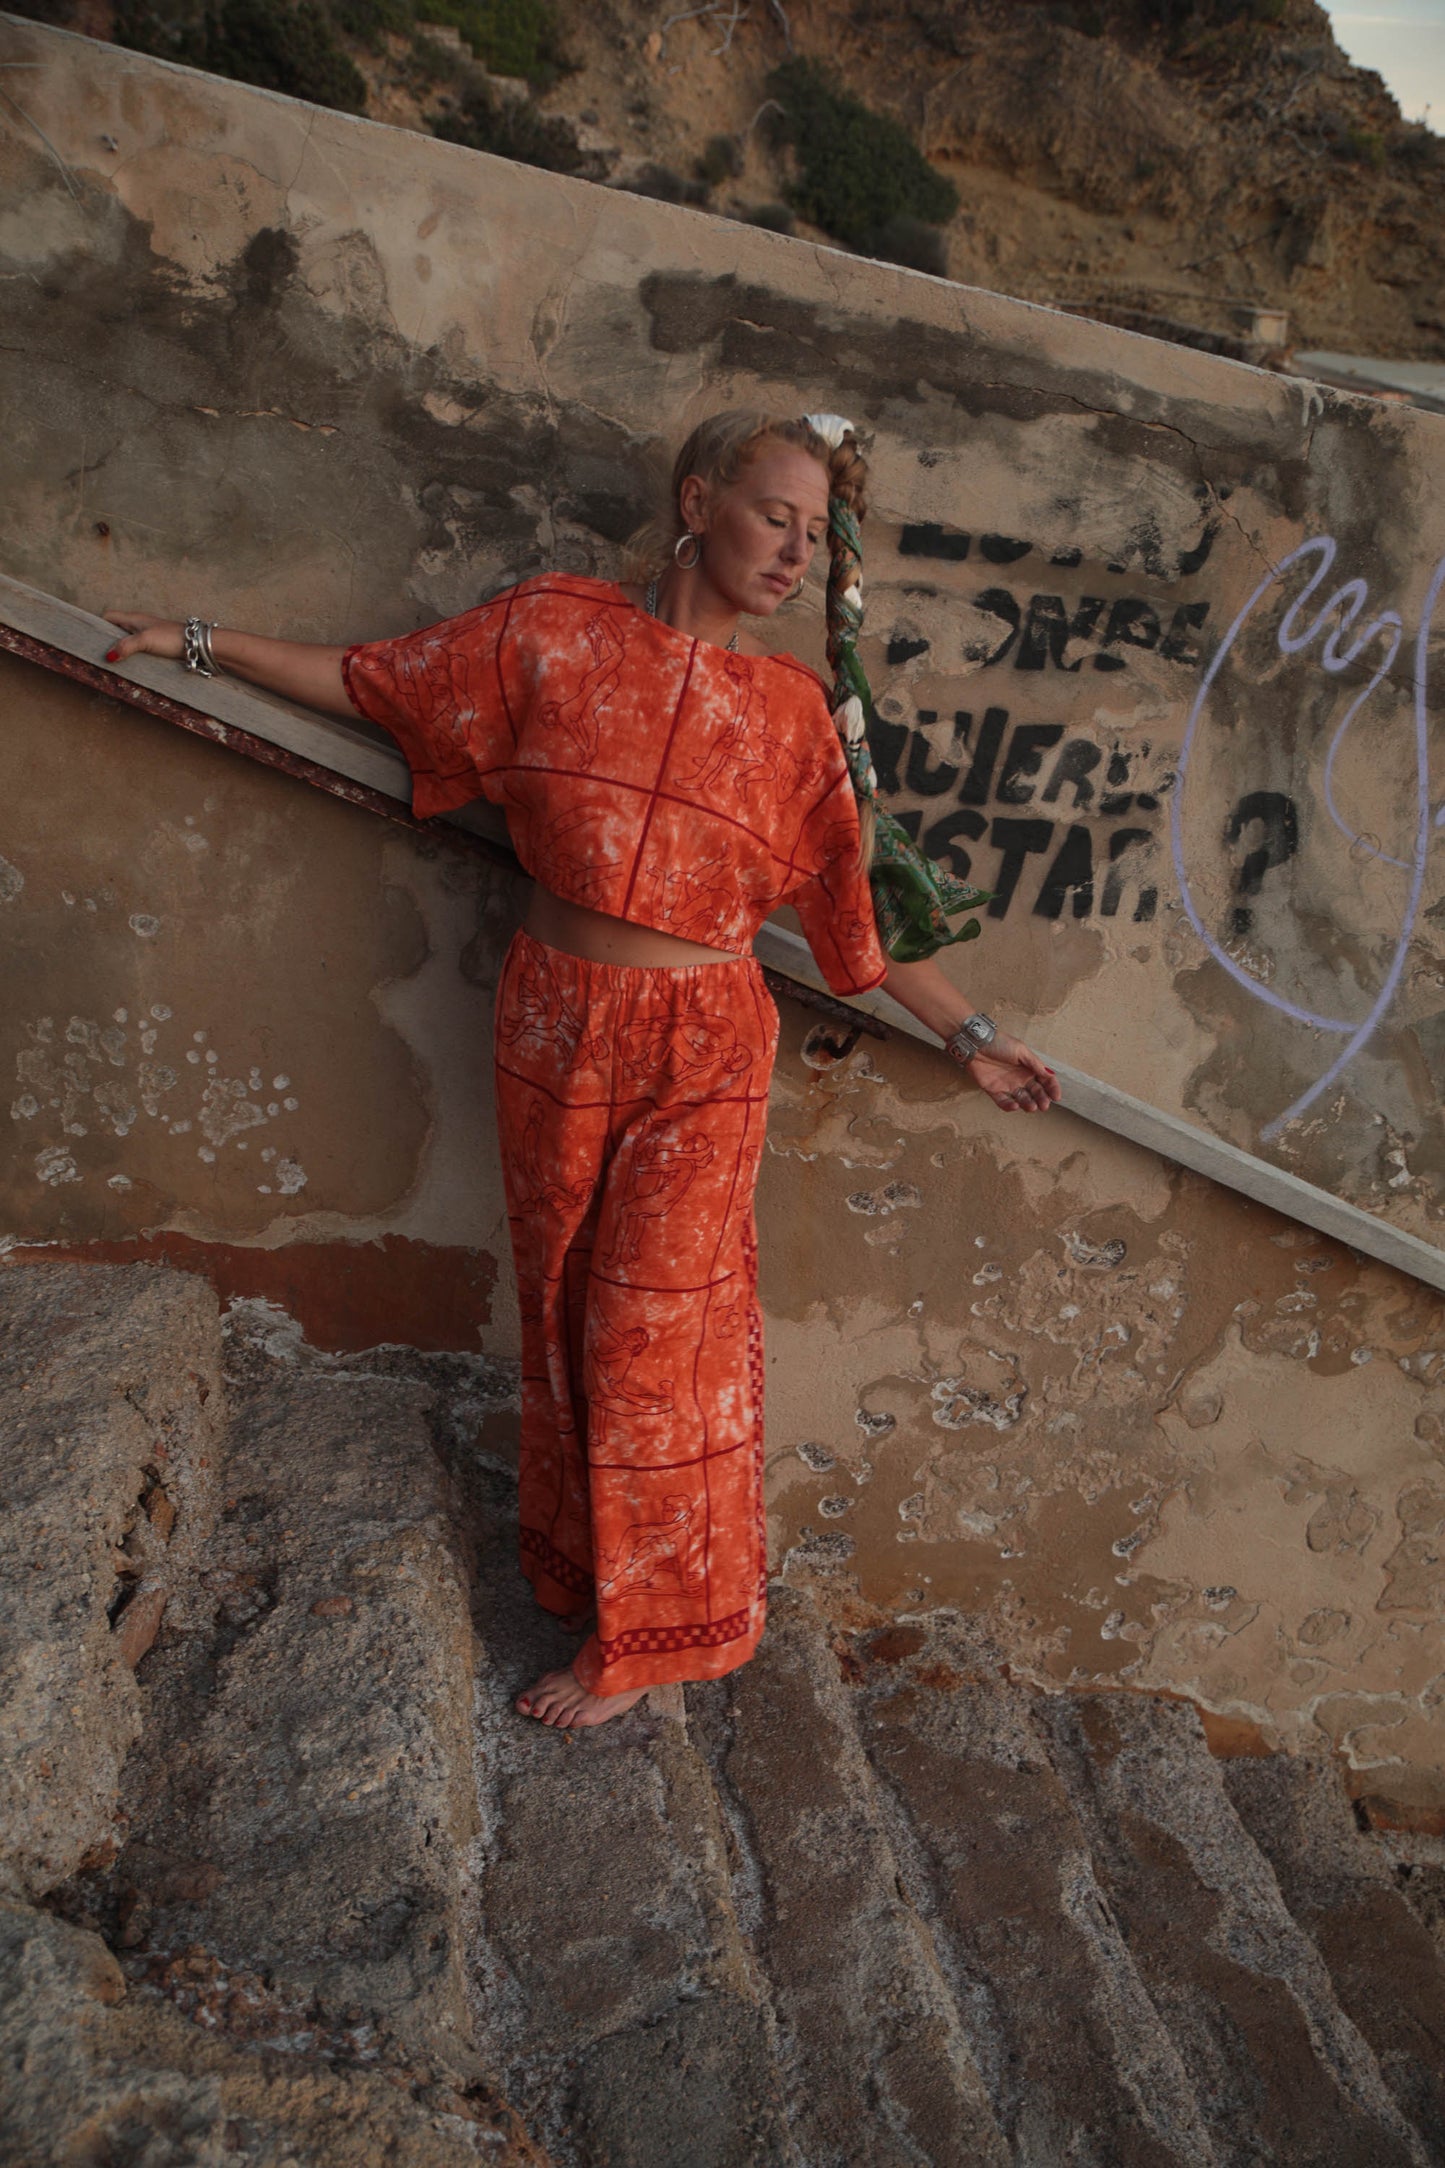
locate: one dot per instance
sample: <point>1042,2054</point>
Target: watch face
<point>982,1030</point>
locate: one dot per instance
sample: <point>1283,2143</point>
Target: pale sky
<point>1404,40</point>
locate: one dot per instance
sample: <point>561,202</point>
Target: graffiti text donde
<point>1048,818</point>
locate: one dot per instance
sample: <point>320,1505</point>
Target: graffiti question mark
<point>1272,811</point>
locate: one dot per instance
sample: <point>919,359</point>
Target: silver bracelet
<point>972,1036</point>
<point>199,653</point>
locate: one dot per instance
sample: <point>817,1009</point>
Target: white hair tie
<point>832,428</point>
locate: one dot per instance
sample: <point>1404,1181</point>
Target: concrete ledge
<point>353,763</point>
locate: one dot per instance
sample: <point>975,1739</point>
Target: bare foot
<point>559,1698</point>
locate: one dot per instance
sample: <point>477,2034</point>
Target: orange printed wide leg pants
<point>632,1103</point>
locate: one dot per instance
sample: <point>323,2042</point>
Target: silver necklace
<point>652,612</point>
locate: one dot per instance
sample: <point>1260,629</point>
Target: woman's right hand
<point>146,635</point>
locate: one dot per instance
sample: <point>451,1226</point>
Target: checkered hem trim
<point>659,1640</point>
<point>559,1567</point>
<point>758,1381</point>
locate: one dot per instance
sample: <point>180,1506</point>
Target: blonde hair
<point>717,451</point>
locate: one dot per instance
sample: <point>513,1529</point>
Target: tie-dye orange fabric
<point>632,1104</point>
<point>643,773</point>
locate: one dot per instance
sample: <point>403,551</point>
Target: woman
<point>667,783</point>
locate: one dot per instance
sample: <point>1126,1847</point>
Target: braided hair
<point>847,508</point>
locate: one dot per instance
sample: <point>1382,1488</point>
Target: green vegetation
<point>666,186</point>
<point>287,48</point>
<point>369,21</point>
<point>775,217</point>
<point>512,128</point>
<point>722,160</point>
<point>511,37</point>
<point>295,45</point>
<point>1366,146</point>
<point>858,171</point>
<point>914,243</point>
<point>277,44</point>
<point>1182,20</point>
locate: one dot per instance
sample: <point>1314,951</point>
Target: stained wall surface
<point>305,373</point>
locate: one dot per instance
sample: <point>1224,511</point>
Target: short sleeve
<point>835,904</point>
<point>441,693</point>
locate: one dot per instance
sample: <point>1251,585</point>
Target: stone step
<point>1387,1971</point>
<point>613,1982</point>
<point>1080,2067</point>
<point>302,1806</point>
<point>109,1399</point>
<point>878,2068</point>
<point>1279,2071</point>
<point>94,2071</point>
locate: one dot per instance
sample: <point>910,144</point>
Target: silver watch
<point>973,1035</point>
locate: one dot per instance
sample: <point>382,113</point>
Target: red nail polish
<point>111,653</point>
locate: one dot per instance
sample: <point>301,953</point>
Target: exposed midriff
<point>599,938</point>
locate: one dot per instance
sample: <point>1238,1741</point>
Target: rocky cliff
<point>1154,161</point>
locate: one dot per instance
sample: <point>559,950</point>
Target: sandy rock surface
<point>109,1398</point>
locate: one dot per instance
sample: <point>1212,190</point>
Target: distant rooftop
<point>1421,382</point>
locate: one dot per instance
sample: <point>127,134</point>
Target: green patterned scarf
<point>914,897</point>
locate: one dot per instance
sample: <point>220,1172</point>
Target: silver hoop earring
<point>797,590</point>
<point>686,564</point>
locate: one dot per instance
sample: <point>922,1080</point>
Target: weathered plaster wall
<point>300,372</point>
<point>1162,1436</point>
<point>247,1027</point>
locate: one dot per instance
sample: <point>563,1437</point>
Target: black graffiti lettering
<point>1048,629</point>
<point>1014,840</point>
<point>1127,848</point>
<point>1192,561</point>
<point>1068,556</point>
<point>887,742</point>
<point>1276,815</point>
<point>925,778</point>
<point>927,540</point>
<point>1114,799</point>
<point>1026,751</point>
<point>910,820</point>
<point>1002,549</point>
<point>903,649</point>
<point>996,602</point>
<point>1072,872</point>
<point>975,787</point>
<point>1176,643</point>
<point>941,840</point>
<point>1131,624</point>
<point>1075,765</point>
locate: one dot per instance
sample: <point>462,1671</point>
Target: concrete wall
<point>319,377</point>
<point>247,1026</point>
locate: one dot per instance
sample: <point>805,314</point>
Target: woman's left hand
<point>1016,1080</point>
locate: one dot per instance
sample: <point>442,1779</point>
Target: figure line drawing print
<point>579,716</point>
<point>662,1172</point>
<point>657,1555</point>
<point>745,751</point>
<point>1350,600</point>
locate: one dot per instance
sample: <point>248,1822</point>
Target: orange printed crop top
<point>643,773</point>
